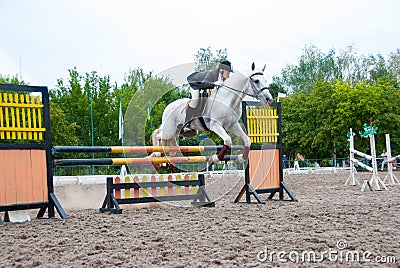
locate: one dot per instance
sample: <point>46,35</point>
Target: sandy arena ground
<point>337,223</point>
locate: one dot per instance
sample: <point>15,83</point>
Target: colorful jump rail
<point>137,149</point>
<point>138,161</point>
<point>136,189</point>
<point>264,172</point>
<point>26,180</point>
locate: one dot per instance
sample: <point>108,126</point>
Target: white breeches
<point>195,98</point>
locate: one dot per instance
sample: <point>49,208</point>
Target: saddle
<point>197,115</point>
<point>200,107</point>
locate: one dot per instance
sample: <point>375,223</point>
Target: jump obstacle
<point>264,171</point>
<point>26,178</point>
<point>134,189</point>
<point>155,188</point>
<point>375,182</point>
<point>263,174</point>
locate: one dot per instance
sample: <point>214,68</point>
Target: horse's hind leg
<point>169,143</point>
<point>156,141</point>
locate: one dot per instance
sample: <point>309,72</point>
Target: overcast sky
<point>111,37</point>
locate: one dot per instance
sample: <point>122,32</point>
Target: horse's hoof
<point>240,159</point>
<point>156,154</point>
<point>188,134</point>
<point>213,159</point>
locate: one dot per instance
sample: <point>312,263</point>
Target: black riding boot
<point>189,116</point>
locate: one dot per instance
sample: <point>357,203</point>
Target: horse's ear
<point>253,66</point>
<point>263,69</point>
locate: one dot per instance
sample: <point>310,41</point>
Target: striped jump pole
<point>361,164</point>
<point>138,161</point>
<point>367,156</point>
<point>352,179</point>
<point>138,149</point>
<point>390,176</point>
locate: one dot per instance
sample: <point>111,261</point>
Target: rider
<point>203,81</point>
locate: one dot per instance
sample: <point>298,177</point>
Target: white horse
<point>222,112</point>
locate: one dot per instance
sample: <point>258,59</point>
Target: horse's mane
<point>237,76</point>
<point>236,81</point>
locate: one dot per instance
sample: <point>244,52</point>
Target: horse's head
<point>258,85</point>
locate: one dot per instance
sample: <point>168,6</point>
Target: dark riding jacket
<point>203,80</point>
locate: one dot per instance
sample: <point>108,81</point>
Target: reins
<point>252,84</point>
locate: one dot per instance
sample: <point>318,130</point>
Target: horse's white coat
<point>222,112</point>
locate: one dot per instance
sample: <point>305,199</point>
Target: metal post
<point>91,125</point>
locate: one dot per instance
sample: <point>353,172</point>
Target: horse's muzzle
<point>265,96</point>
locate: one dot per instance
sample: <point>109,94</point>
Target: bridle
<point>252,85</point>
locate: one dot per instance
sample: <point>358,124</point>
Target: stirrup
<point>187,129</point>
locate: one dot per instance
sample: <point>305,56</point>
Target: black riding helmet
<point>226,65</point>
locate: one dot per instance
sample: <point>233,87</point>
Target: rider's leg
<point>192,107</point>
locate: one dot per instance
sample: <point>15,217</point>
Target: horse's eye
<point>257,81</point>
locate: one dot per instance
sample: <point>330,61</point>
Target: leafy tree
<point>88,97</point>
<point>62,131</point>
<point>206,60</point>
<point>394,65</point>
<point>315,123</point>
<point>346,65</point>
<point>11,80</point>
<point>140,121</point>
<point>275,88</point>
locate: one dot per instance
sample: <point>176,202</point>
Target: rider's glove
<point>218,83</point>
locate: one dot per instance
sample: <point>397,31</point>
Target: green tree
<point>156,93</point>
<point>62,131</point>
<point>345,65</point>
<point>205,59</point>
<point>76,97</point>
<point>315,123</point>
<point>275,88</point>
<point>74,102</point>
<point>11,80</point>
<point>394,65</point>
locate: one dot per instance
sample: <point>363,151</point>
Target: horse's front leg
<point>220,131</point>
<point>239,132</point>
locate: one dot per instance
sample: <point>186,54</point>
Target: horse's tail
<point>156,137</point>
